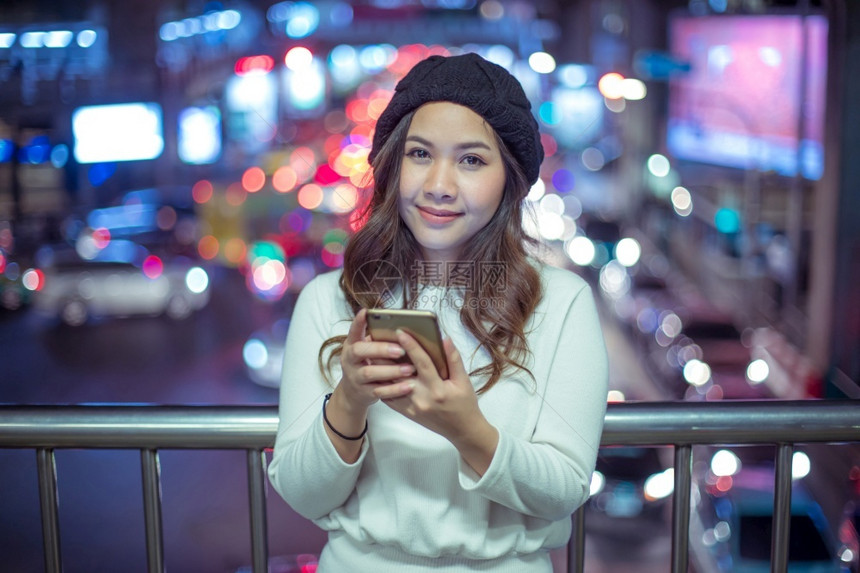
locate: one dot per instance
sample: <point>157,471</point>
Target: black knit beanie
<point>486,88</point>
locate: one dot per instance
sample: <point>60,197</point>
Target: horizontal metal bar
<point>732,422</point>
<point>140,427</point>
<point>254,427</point>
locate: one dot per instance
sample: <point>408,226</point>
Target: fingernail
<point>395,350</point>
<point>407,369</point>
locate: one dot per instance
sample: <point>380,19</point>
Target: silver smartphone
<point>422,325</point>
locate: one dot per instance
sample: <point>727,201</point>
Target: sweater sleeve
<point>548,476</point>
<point>306,470</point>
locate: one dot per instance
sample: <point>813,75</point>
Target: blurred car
<point>736,513</point>
<point>76,290</point>
<point>263,354</point>
<point>161,218</point>
<point>630,493</point>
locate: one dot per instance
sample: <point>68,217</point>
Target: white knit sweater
<point>410,502</point>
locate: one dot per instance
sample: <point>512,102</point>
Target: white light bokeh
<point>660,485</point>
<point>658,165</point>
<point>757,371</point>
<point>725,463</point>
<point>542,62</point>
<point>682,201</point>
<point>581,251</point>
<point>633,89</point>
<point>197,280</point>
<point>628,251</point>
<point>800,465</point>
<point>696,372</point>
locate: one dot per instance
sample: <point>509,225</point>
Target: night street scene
<point>174,172</point>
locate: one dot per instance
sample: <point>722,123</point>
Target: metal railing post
<point>151,473</point>
<point>781,509</point>
<point>47,470</point>
<point>257,501</point>
<point>681,508</point>
<point>576,546</point>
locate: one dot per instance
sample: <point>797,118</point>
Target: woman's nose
<point>440,181</point>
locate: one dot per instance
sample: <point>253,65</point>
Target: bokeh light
<point>757,371</point>
<point>153,267</point>
<point>310,196</point>
<point>725,463</point>
<point>298,58</point>
<point>628,251</point>
<point>682,201</point>
<point>234,250</point>
<point>800,465</point>
<point>253,179</point>
<point>202,191</point>
<point>581,251</point>
<point>208,247</point>
<point>197,280</point>
<point>542,62</point>
<point>658,165</point>
<point>563,180</point>
<point>284,179</point>
<point>33,279</point>
<point>611,85</point>
<point>696,372</point>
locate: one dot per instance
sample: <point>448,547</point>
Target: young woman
<point>408,471</point>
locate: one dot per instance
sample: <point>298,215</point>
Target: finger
<point>393,391</point>
<point>456,368</point>
<point>357,328</point>
<point>417,355</point>
<point>376,350</point>
<point>373,374</point>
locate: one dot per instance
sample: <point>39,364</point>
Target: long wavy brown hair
<point>384,243</point>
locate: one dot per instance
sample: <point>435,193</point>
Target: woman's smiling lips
<point>437,215</point>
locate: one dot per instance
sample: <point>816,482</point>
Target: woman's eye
<point>418,154</point>
<point>473,161</point>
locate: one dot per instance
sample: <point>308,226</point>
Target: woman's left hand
<point>449,406</point>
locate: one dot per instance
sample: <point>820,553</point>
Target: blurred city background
<point>173,172</point>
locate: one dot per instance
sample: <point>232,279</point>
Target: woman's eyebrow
<point>462,145</point>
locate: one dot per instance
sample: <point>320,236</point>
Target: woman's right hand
<point>369,374</point>
<point>369,368</point>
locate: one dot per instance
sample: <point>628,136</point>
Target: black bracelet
<point>330,427</point>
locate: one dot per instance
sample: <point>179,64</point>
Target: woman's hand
<point>448,407</point>
<point>368,367</point>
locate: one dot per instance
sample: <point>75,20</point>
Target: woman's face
<point>452,178</point>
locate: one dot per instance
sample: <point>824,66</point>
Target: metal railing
<point>252,428</point>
